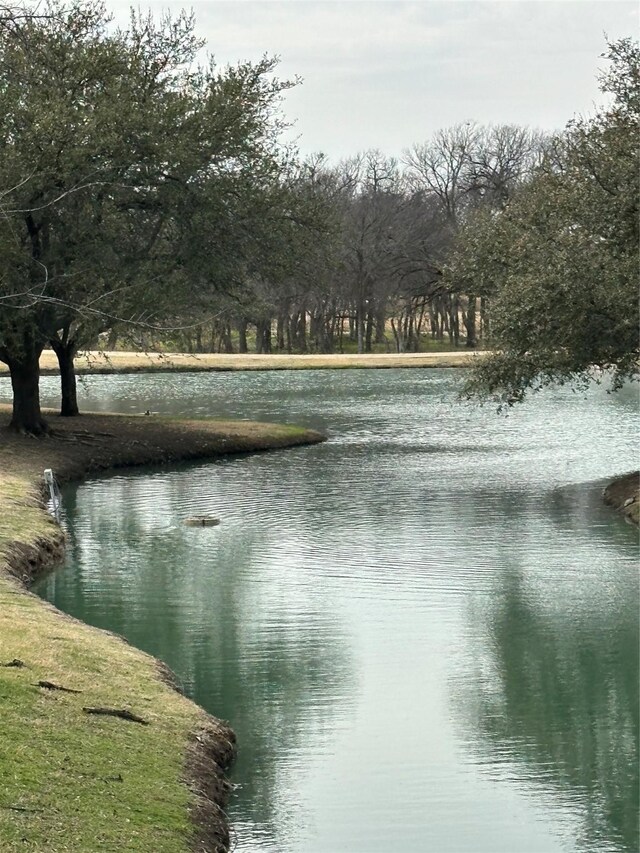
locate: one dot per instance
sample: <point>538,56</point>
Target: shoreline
<point>97,362</point>
<point>176,764</point>
<point>623,495</point>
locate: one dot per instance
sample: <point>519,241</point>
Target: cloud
<point>386,74</point>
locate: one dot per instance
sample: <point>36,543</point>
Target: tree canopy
<point>131,178</point>
<point>559,262</point>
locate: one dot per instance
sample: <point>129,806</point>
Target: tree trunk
<point>226,344</point>
<point>65,353</point>
<point>317,331</point>
<point>397,335</point>
<point>242,336</point>
<point>353,326</point>
<point>331,333</point>
<point>300,342</point>
<point>25,379</point>
<point>360,318</point>
<point>263,336</point>
<point>470,322</point>
<point>419,321</point>
<point>412,344</point>
<point>368,331</point>
<point>381,321</point>
<point>484,319</point>
<point>289,334</point>
<point>433,319</point>
<point>455,322</point>
<point>280,324</point>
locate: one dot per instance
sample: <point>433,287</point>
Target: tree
<point>119,154</point>
<point>77,110</point>
<point>370,235</point>
<point>560,260</point>
<point>466,169</point>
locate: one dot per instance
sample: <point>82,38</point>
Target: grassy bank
<point>74,781</point>
<point>132,362</point>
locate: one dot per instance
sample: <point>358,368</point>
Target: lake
<point>424,631</point>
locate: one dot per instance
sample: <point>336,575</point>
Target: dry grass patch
<point>133,362</point>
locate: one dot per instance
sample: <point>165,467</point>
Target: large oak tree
<point>114,146</point>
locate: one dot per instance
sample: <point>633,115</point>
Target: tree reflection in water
<point>209,602</point>
<point>554,692</point>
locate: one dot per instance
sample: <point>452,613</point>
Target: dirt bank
<point>74,781</point>
<point>623,494</point>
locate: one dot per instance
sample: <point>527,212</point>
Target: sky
<point>387,74</point>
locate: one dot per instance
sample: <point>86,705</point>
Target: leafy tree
<point>560,261</point>
<point>134,180</point>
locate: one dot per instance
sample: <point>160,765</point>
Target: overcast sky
<point>388,74</point>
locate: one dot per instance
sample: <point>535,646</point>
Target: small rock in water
<point>201,521</point>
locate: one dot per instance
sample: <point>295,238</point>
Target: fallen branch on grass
<point>21,809</point>
<point>123,714</point>
<point>49,685</point>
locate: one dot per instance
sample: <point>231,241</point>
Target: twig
<point>49,685</point>
<point>122,714</point>
<point>21,809</point>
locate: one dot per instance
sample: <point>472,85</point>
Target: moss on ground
<point>73,781</point>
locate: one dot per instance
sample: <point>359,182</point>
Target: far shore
<point>133,362</point>
<point>82,782</point>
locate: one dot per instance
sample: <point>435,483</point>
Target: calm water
<point>425,631</point>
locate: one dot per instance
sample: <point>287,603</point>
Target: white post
<point>50,481</point>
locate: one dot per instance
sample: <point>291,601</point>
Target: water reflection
<point>551,691</point>
<point>188,596</point>
<point>424,631</point>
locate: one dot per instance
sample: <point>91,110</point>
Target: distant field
<point>129,362</point>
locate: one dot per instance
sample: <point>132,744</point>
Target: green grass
<point>21,517</point>
<point>427,345</point>
<point>86,783</point>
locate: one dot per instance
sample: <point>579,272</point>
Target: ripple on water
<point>424,630</point>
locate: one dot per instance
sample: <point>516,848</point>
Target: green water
<point>425,631</point>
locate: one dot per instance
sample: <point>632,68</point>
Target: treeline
<point>375,273</point>
<point>147,199</point>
